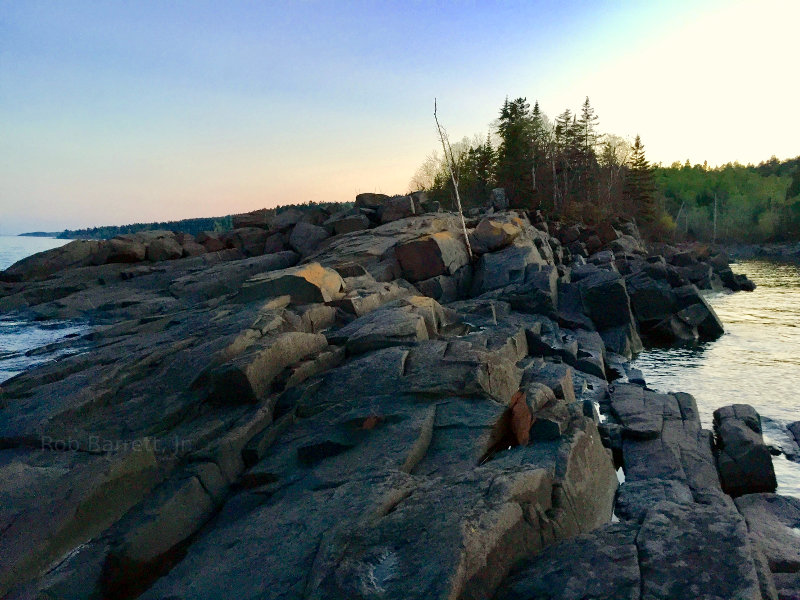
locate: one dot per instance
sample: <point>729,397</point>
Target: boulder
<point>676,558</point>
<point>211,241</point>
<point>190,245</point>
<point>285,219</point>
<point>498,199</point>
<point>248,378</point>
<point>363,294</point>
<point>78,253</point>
<point>491,235</point>
<point>275,242</point>
<point>601,565</point>
<point>126,250</point>
<point>440,253</point>
<point>398,207</point>
<point>251,241</point>
<point>605,299</point>
<point>305,284</point>
<point>257,218</point>
<point>743,459</point>
<point>505,267</point>
<point>305,238</point>
<point>447,288</point>
<point>773,521</point>
<point>346,221</point>
<point>371,200</point>
<point>162,245</point>
<point>382,328</point>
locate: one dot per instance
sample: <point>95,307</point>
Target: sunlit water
<point>20,339</point>
<point>756,361</point>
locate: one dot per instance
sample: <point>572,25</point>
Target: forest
<point>105,232</point>
<point>569,170</point>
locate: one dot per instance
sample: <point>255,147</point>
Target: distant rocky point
<point>350,404</point>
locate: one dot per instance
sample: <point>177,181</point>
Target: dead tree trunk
<point>451,165</point>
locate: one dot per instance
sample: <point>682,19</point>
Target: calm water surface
<point>756,361</point>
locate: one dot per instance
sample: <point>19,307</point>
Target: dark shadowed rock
<point>743,459</point>
<point>677,561</point>
<point>602,565</point>
<point>257,218</point>
<point>305,238</point>
<point>126,250</point>
<point>285,219</point>
<point>251,241</point>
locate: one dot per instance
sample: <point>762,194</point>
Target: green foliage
<point>754,204</point>
<point>640,188</point>
<point>571,171</point>
<point>193,226</point>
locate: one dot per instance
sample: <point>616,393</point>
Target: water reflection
<point>756,361</point>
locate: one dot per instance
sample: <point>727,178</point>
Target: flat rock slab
<point>601,565</point>
<point>695,552</point>
<point>774,522</point>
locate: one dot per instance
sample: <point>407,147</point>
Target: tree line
<point>571,171</point>
<point>564,167</point>
<point>193,226</point>
<point>733,202</point>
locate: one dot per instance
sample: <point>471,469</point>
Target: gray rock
<point>498,199</point>
<point>508,266</point>
<point>605,299</point>
<point>743,459</point>
<point>251,241</point>
<point>398,207</point>
<point>285,219</point>
<point>305,238</point>
<point>248,378</point>
<point>78,253</point>
<point>677,561</point>
<point>257,218</point>
<point>603,565</point>
<point>305,284</point>
<point>774,522</point>
<point>441,253</point>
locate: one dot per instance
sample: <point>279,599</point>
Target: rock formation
<point>349,406</point>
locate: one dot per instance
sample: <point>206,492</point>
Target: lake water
<point>756,361</point>
<point>18,337</point>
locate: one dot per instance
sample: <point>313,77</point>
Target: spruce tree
<point>640,186</point>
<point>514,156</point>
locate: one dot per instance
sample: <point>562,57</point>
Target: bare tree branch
<point>448,155</point>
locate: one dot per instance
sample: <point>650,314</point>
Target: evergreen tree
<point>514,156</point>
<point>640,186</point>
<point>587,128</point>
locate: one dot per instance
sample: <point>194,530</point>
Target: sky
<point>116,112</point>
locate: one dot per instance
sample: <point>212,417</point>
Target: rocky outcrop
<point>743,459</point>
<point>374,413</point>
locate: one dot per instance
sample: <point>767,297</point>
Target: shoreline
<point>345,382</point>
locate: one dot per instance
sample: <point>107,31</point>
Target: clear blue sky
<point>115,112</point>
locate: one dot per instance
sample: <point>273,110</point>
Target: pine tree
<point>640,185</point>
